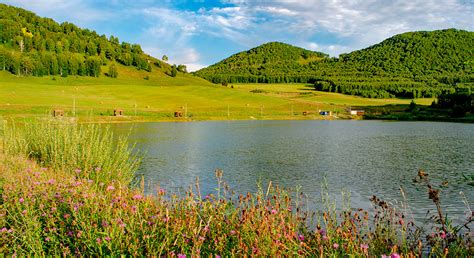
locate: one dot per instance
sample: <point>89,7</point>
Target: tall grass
<point>89,151</point>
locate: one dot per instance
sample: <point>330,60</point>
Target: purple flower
<point>181,256</point>
<point>301,238</point>
<point>137,197</point>
<point>274,211</point>
<point>3,230</point>
<point>21,200</point>
<point>107,238</point>
<point>395,255</point>
<point>335,245</point>
<point>364,246</point>
<point>110,188</point>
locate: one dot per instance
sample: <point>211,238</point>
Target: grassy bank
<point>159,96</point>
<point>50,209</point>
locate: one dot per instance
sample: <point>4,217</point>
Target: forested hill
<point>415,64</point>
<point>270,58</point>
<point>418,53</point>
<point>32,45</point>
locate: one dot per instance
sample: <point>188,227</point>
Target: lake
<point>363,158</point>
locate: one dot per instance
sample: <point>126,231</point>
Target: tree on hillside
<point>165,58</point>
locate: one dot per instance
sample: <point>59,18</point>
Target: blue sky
<point>201,32</point>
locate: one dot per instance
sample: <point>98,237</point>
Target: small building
<point>118,112</point>
<point>325,113</point>
<point>178,113</point>
<point>58,113</point>
<point>357,112</point>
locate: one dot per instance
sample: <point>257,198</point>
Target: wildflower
<point>364,246</point>
<point>51,181</point>
<point>325,238</point>
<point>137,197</point>
<point>98,240</point>
<point>301,238</point>
<point>21,200</point>
<point>24,212</point>
<point>105,224</point>
<point>335,245</point>
<point>70,233</point>
<point>47,239</point>
<point>79,234</point>
<point>107,238</point>
<point>181,256</point>
<point>97,169</point>
<point>161,191</point>
<point>134,208</point>
<point>232,232</point>
<point>78,170</point>
<point>3,230</point>
<point>218,256</point>
<point>66,216</point>
<point>443,235</point>
<point>110,188</point>
<point>44,169</point>
<point>274,211</point>
<point>395,255</point>
<point>322,232</point>
<point>166,219</point>
<point>201,238</point>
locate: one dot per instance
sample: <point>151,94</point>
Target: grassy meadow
<point>56,204</point>
<point>156,96</point>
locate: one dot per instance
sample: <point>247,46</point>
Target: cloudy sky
<point>201,32</point>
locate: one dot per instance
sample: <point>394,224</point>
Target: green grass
<point>89,150</point>
<point>157,98</point>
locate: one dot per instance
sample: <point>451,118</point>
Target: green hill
<point>415,64</point>
<point>32,45</point>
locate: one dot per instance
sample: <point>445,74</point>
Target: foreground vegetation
<point>68,210</point>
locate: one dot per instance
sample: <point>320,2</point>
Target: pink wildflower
<point>98,240</point>
<point>364,246</point>
<point>442,235</point>
<point>335,245</point>
<point>395,255</point>
<point>301,238</point>
<point>78,170</point>
<point>107,238</point>
<point>110,188</point>
<point>181,256</point>
<point>21,200</point>
<point>274,211</point>
<point>137,197</point>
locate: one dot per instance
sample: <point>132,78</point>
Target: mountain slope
<point>414,64</point>
<point>419,53</point>
<point>32,45</point>
<point>274,59</point>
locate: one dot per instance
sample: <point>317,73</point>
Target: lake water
<point>363,158</point>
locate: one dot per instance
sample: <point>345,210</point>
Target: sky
<point>198,33</point>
